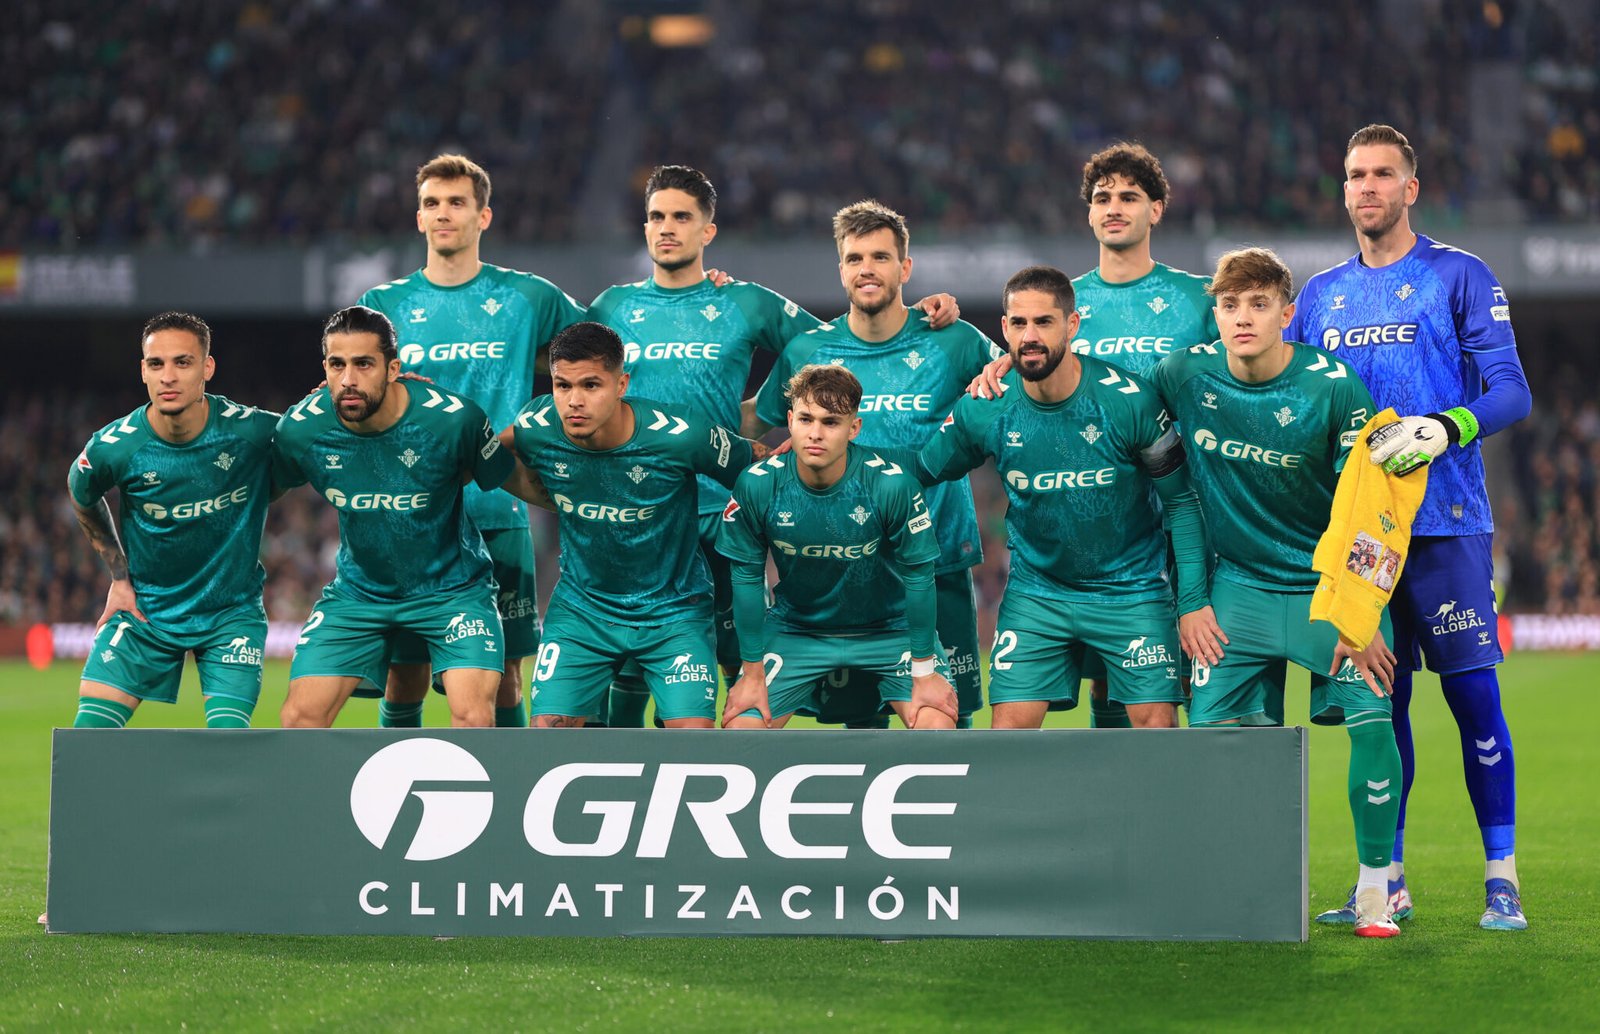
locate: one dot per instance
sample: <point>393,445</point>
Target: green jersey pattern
<point>908,384</point>
<point>478,339</point>
<point>1134,325</point>
<point>691,347</point>
<point>1266,457</point>
<point>403,525</point>
<point>629,516</point>
<point>838,551</point>
<point>191,514</point>
<point>1081,519</point>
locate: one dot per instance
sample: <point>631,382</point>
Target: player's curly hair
<point>1377,135</point>
<point>830,386</point>
<point>457,166</point>
<point>691,181</point>
<point>1251,268</point>
<point>358,319</point>
<point>587,340</point>
<point>178,321</point>
<point>1048,279</point>
<point>870,216</point>
<point>1129,160</point>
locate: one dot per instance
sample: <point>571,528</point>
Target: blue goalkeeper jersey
<point>1412,331</point>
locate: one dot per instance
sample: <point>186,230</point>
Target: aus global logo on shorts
<point>241,651</point>
<point>683,669</point>
<point>1146,651</point>
<point>462,627</point>
<point>1448,619</point>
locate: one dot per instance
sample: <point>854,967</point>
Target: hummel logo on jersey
<point>409,458</point>
<point>491,306</point>
<point>561,470</point>
<point>711,312</point>
<point>637,317</point>
<point>1285,417</point>
<point>1013,439</point>
<point>1158,305</point>
<point>223,460</point>
<point>1091,434</point>
<point>638,473</point>
<point>419,315</point>
<point>1406,291</point>
<point>785,519</point>
<point>859,515</point>
<point>333,461</point>
<point>1209,400</point>
<point>1338,302</point>
<point>1083,312</point>
<point>913,360</point>
<point>152,478</point>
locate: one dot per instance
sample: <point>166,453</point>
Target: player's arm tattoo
<point>525,485</point>
<point>97,527</point>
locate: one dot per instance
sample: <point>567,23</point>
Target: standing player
<point>473,328</point>
<point>1079,449</point>
<point>854,547</point>
<point>689,343</point>
<point>911,375</point>
<point>1429,329</point>
<point>621,476</point>
<point>1272,422</point>
<point>1132,310</point>
<point>394,461</point>
<point>193,473</point>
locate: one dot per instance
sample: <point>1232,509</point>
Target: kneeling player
<point>855,550</point>
<point>194,474</point>
<point>1079,449</point>
<point>1272,422</point>
<point>394,464</point>
<point>621,477</point>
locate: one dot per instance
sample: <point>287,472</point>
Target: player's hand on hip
<point>1415,441</point>
<point>936,692</point>
<point>1201,637</point>
<point>748,694</point>
<point>941,310</point>
<point>987,385</point>
<point>120,597</point>
<point>1375,664</point>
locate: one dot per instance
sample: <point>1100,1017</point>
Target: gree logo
<point>451,819</point>
<point>1236,450</point>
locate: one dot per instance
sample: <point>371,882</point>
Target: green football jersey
<point>908,384</point>
<point>629,516</point>
<point>1266,457</point>
<point>838,551</point>
<point>478,339</point>
<point>403,525</point>
<point>1135,324</point>
<point>190,514</point>
<point>1081,519</point>
<point>691,347</point>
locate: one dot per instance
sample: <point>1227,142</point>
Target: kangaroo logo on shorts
<point>452,820</point>
<point>241,652</point>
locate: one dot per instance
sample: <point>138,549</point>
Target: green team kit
<point>1266,459</point>
<point>634,584</point>
<point>189,513</point>
<point>909,382</point>
<point>846,557</point>
<point>1088,553</point>
<point>410,559</point>
<point>480,339</point>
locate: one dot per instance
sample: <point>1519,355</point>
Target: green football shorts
<point>580,656</point>
<point>1040,646</point>
<point>1264,629</point>
<point>350,638</point>
<point>511,552</point>
<point>799,666</point>
<point>146,662</point>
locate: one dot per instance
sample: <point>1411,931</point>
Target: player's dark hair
<point>358,319</point>
<point>1251,268</point>
<point>870,216</point>
<point>1048,279</point>
<point>691,181</point>
<point>454,167</point>
<point>1130,161</point>
<point>178,321</point>
<point>587,340</point>
<point>830,386</point>
<point>1377,135</point>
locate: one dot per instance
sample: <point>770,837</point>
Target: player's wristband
<point>923,668</point>
<point>1459,424</point>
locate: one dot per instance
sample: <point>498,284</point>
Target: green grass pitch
<point>1441,974</point>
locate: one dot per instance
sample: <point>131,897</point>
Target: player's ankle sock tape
<point>1108,715</point>
<point>94,713</point>
<point>1487,761</point>
<point>228,713</point>
<point>513,717</point>
<point>1374,786</point>
<point>628,699</point>
<point>400,716</point>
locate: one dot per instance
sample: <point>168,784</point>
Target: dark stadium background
<point>204,142</point>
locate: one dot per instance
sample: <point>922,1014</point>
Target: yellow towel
<point>1362,553</point>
